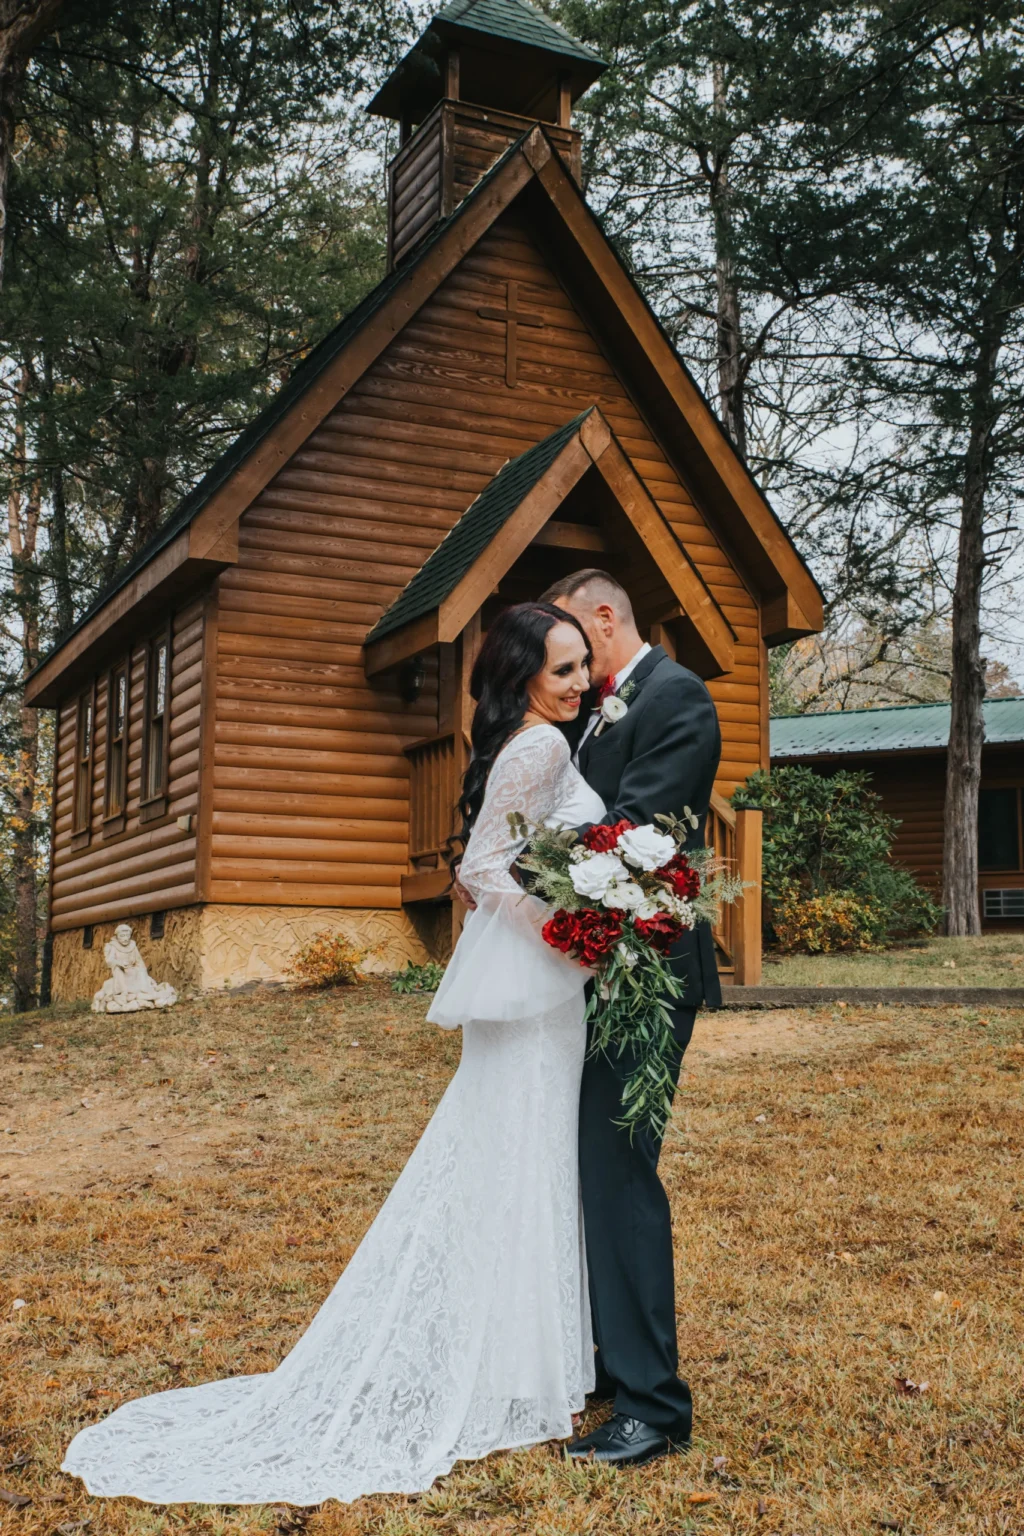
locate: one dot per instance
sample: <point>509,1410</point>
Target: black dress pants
<point>628,1232</point>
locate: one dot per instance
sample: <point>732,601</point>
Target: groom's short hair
<point>596,587</point>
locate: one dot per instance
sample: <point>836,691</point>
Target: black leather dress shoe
<point>625,1442</point>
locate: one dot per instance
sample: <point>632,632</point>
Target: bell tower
<point>482,74</point>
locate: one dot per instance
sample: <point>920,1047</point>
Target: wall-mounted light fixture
<point>411,677</point>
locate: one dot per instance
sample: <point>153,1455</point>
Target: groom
<point>659,756</point>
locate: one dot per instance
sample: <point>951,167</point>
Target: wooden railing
<point>433,788</point>
<point>736,838</point>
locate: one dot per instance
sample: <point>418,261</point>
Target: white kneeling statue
<point>130,987</point>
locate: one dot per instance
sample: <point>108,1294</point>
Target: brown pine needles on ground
<point>847,1199</point>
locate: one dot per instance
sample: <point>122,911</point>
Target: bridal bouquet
<point>623,895</point>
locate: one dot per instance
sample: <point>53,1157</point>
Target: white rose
<point>625,897</point>
<point>628,957</point>
<point>648,907</point>
<point>592,877</point>
<point>613,708</point>
<point>646,848</point>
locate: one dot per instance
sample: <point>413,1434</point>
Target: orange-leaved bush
<point>328,960</point>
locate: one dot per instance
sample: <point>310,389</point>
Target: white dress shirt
<point>619,679</point>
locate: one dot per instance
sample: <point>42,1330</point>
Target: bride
<point>461,1324</point>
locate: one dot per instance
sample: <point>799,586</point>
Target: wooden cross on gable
<point>513,317</point>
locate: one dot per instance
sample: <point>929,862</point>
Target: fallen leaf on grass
<point>701,1498</point>
<point>290,1519</point>
<point>71,1526</point>
<point>910,1388</point>
<point>890,1524</point>
<point>15,1500</point>
<point>17,1464</point>
<point>718,1463</point>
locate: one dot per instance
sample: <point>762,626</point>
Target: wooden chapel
<point>263,722</point>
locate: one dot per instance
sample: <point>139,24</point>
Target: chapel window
<point>81,817</point>
<point>118,711</point>
<point>156,715</point>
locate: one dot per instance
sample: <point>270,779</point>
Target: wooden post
<point>660,634</point>
<point>564,102</point>
<point>451,75</point>
<point>466,648</point>
<point>748,910</point>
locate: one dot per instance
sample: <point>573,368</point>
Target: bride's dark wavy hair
<point>514,650</point>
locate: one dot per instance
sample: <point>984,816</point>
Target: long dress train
<point>461,1324</point>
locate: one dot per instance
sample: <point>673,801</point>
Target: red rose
<point>602,839</point>
<point>660,931</point>
<point>678,874</point>
<point>560,930</point>
<point>597,934</point>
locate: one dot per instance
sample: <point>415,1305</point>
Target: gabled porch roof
<point>510,512</point>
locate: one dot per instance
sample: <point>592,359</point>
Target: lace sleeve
<point>528,777</point>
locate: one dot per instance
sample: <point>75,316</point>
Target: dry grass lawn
<point>994,960</point>
<point>179,1192</point>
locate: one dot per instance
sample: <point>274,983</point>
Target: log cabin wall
<point>310,777</point>
<point>123,867</point>
<point>452,148</point>
<point>912,786</point>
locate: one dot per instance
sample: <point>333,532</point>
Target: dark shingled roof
<point>517,22</point>
<point>445,567</point>
<point>415,83</point>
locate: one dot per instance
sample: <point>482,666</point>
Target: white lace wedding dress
<point>461,1324</point>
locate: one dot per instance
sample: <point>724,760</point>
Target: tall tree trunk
<point>967,723</point>
<point>731,403</point>
<point>60,572</point>
<point>23,504</point>
<point>22,24</point>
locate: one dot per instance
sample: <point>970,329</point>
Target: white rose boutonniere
<point>614,707</point>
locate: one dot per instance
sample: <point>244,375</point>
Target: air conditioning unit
<point>1005,903</point>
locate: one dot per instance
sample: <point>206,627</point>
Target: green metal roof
<point>445,567</point>
<point>904,728</point>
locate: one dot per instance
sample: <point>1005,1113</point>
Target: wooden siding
<point>912,786</point>
<point>310,776</point>
<point>148,867</point>
<point>454,146</point>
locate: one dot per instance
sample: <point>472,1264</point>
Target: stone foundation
<point>78,973</point>
<point>216,946</point>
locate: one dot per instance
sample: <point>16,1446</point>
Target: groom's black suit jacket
<point>661,756</point>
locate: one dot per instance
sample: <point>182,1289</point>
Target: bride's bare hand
<point>463,894</point>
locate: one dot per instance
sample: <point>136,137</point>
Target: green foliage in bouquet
<point>624,932</point>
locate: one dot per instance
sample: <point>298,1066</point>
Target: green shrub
<point>418,978</point>
<point>826,836</point>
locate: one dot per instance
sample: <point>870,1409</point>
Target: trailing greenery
<point>829,881</point>
<point>417,978</point>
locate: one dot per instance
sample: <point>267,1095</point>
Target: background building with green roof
<point>904,750</point>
